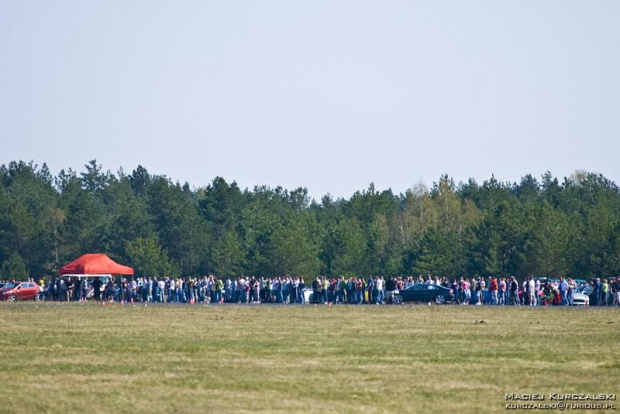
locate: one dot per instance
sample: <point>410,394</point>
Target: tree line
<point>533,227</point>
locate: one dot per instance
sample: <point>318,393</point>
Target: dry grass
<point>74,358</point>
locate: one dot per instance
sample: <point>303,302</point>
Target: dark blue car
<point>423,292</point>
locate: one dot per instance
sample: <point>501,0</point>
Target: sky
<point>328,95</point>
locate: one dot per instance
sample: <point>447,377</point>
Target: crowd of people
<point>335,290</point>
<point>533,291</point>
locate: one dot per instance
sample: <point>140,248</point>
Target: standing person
<point>191,286</point>
<point>262,286</point>
<point>379,287</point>
<point>227,290</point>
<point>155,289</point>
<point>564,292</point>
<point>359,290</point>
<point>256,298</point>
<point>456,289</point>
<point>51,290</point>
<point>604,292</point>
<point>343,294</point>
<point>172,290</point>
<point>316,290</point>
<point>302,286</point>
<point>239,289</point>
<point>597,291</point>
<point>252,288</point>
<point>324,289</point>
<point>571,289</point>
<point>268,291</point>
<point>41,285</point>
<point>390,286</point>
<point>181,286</point>
<point>97,289</point>
<point>466,292</point>
<point>201,283</point>
<point>177,290</point>
<point>473,296</point>
<point>409,282</point>
<point>124,291</point>
<point>269,295</point>
<point>144,289</point>
<point>331,291</point>
<point>218,292</point>
<point>148,284</point>
<point>109,290</point>
<point>371,289</point>
<point>77,289</point>
<point>295,290</point>
<point>62,290</point>
<point>161,286</point>
<point>479,291</point>
<point>349,288</point>
<point>84,289</point>
<point>526,291</point>
<point>286,289</point>
<point>502,292</point>
<point>514,291</point>
<point>213,289</point>
<point>493,287</point>
<point>338,287</point>
<point>246,290</point>
<point>277,289</point>
<point>531,285</point>
<point>133,290</point>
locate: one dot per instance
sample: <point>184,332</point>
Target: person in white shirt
<point>532,290</point>
<point>171,291</point>
<point>162,286</point>
<point>379,286</point>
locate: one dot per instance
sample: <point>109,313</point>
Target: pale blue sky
<point>329,95</point>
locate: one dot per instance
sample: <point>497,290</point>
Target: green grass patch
<point>72,358</point>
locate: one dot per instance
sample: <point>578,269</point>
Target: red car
<point>20,291</point>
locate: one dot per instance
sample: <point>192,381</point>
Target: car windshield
<point>10,285</point>
<point>585,289</point>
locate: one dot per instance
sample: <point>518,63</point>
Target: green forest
<point>538,227</point>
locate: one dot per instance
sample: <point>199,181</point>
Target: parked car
<point>308,296</point>
<point>581,295</point>
<point>426,292</point>
<point>20,291</point>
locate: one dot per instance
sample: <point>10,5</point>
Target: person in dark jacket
<point>390,286</point>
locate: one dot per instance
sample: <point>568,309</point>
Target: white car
<point>581,296</point>
<point>308,295</point>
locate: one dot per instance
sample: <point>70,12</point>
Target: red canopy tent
<point>95,264</point>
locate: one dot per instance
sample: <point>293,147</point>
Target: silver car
<point>581,296</point>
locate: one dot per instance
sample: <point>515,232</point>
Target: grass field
<point>89,358</point>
